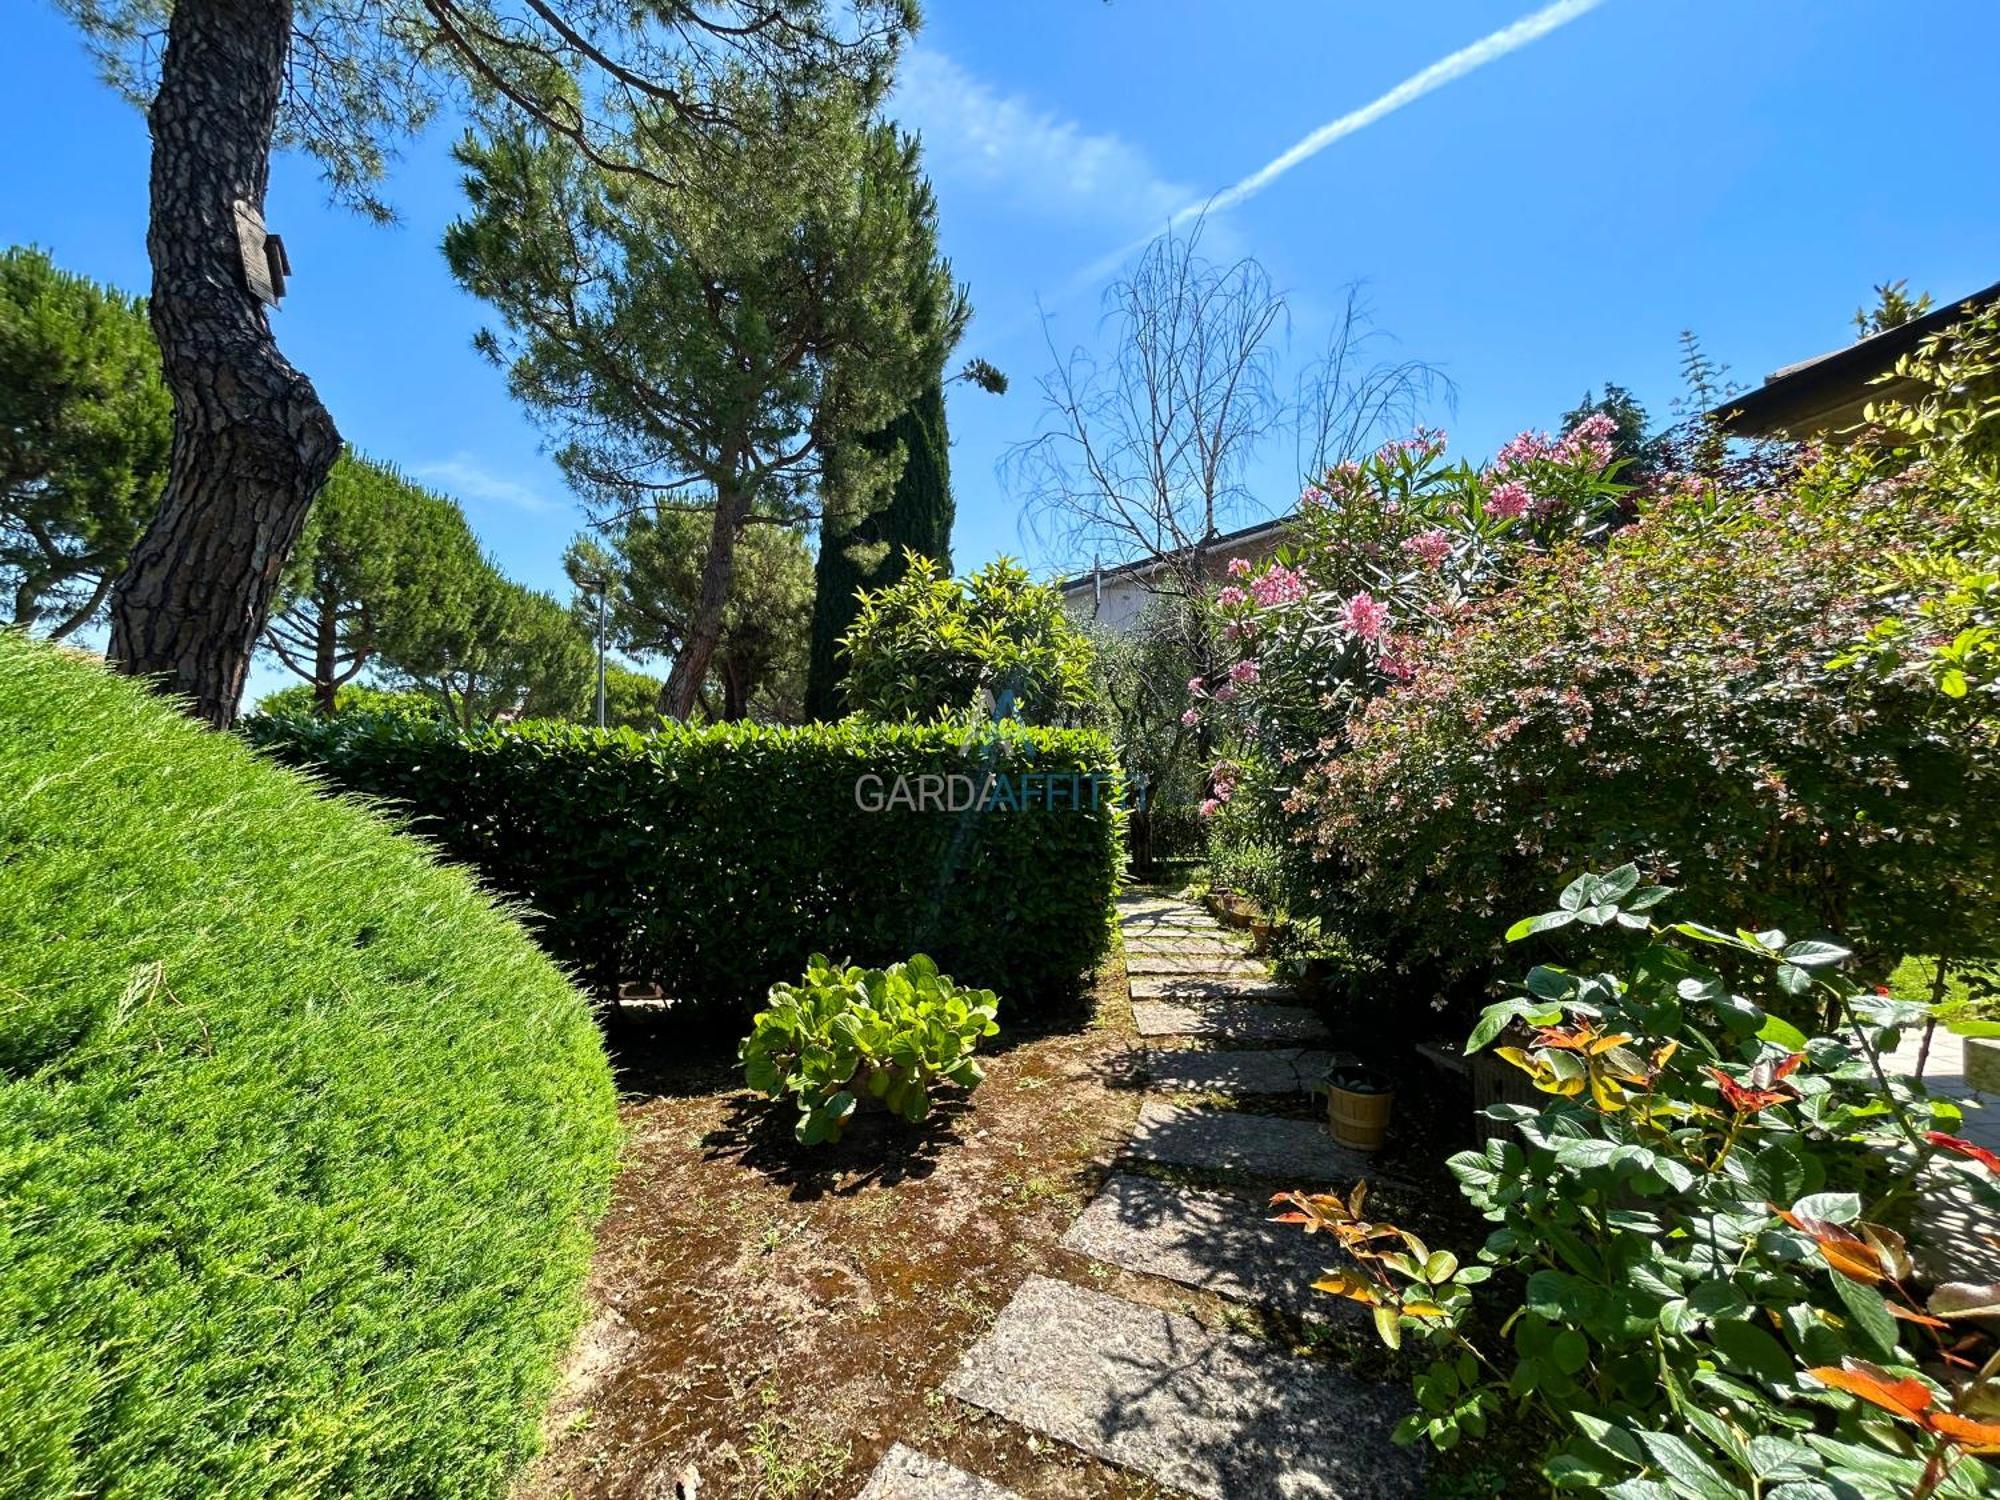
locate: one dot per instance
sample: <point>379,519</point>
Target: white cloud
<point>1042,161</point>
<point>462,476</point>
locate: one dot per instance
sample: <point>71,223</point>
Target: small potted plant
<point>1358,1103</point>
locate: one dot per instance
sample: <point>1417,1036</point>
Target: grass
<point>300,1138</point>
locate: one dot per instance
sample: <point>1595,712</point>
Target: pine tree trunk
<point>326,640</point>
<point>252,443</point>
<point>718,571</point>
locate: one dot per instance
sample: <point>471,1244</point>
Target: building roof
<point>1829,392</point>
<point>1227,541</point>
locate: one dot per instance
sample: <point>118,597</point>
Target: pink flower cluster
<point>1278,585</point>
<point>1232,597</point>
<point>1244,673</point>
<point>1239,567</point>
<point>1191,718</point>
<point>1430,548</point>
<point>1509,501</point>
<point>1589,438</point>
<point>1364,616</point>
<point>1524,448</point>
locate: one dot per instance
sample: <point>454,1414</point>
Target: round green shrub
<point>301,1139</point>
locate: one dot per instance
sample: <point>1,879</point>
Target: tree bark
<point>325,640</point>
<point>690,670</point>
<point>252,443</point>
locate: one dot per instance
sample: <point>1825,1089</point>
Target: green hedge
<point>716,861</point>
<point>301,1139</point>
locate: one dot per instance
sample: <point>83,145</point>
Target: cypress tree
<point>870,553</point>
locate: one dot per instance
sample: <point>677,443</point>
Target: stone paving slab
<point>1196,965</point>
<point>1187,986</point>
<point>1233,1020</point>
<point>1221,1242</point>
<point>1292,1153</point>
<point>1213,1415</point>
<point>1196,943</point>
<point>905,1474</point>
<point>1169,923</point>
<point>1278,1070</point>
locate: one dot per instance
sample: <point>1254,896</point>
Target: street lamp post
<point>599,585</point>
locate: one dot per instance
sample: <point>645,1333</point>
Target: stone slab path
<point>1955,1230</point>
<point>1194,965</point>
<point>1208,1414</point>
<point>1291,1153</point>
<point>905,1474</point>
<point>1232,1020</point>
<point>1224,1243</point>
<point>1281,1070</point>
<point>1198,1412</point>
<point>1189,987</point>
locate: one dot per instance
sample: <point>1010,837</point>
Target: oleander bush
<point>301,1139</point>
<point>715,861</point>
<point>843,1037</point>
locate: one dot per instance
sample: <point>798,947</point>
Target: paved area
<point>1205,1414</point>
<point>1227,1018</point>
<point>1271,1070</point>
<point>905,1474</point>
<point>1198,1412</point>
<point>1956,1234</point>
<point>1220,1242</point>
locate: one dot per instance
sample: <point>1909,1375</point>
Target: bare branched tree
<point>1358,393</point>
<point>1144,452</point>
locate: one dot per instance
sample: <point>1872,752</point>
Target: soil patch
<point>777,1316</point>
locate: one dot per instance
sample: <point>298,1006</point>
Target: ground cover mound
<point>301,1138</point>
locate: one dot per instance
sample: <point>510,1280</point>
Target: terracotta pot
<point>1359,1120</point>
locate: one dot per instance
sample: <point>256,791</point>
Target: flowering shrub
<point>844,1035</point>
<point>1666,699</point>
<point>1383,551</point>
<point>1705,1306</point>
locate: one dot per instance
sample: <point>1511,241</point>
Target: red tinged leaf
<point>1909,1316</point>
<point>1749,1101</point>
<point>1909,1399</point>
<point>1959,1146</point>
<point>1980,1437</point>
<point>1843,1249</point>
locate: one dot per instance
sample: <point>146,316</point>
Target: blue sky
<point>1548,221</point>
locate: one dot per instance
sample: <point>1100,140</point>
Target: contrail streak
<point>1529,28</point>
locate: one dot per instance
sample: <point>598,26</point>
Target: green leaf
<point>1688,1470</point>
<point>1814,955</point>
<point>1749,1348</point>
<point>1781,1033</point>
<point>1868,1316</point>
<point>1389,1326</point>
<point>1528,926</point>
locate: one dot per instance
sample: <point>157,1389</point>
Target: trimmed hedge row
<point>715,861</point>
<point>301,1140</point>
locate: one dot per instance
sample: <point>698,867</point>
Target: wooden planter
<point>1496,1081</point>
<point>1359,1120</point>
